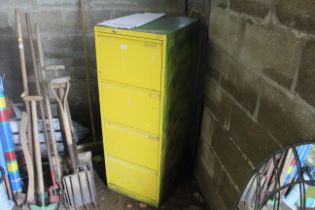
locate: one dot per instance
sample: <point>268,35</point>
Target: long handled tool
<point>23,71</point>
<point>53,195</point>
<point>56,156</point>
<point>79,187</point>
<point>28,158</point>
<point>34,100</point>
<point>56,69</point>
<point>87,69</point>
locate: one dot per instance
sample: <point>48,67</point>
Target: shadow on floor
<point>185,197</point>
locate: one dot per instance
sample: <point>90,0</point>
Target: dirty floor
<point>186,197</point>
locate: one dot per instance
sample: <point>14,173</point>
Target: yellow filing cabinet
<point>146,89</point>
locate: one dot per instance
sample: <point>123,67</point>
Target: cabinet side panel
<point>180,100</point>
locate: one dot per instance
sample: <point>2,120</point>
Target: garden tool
<point>53,190</point>
<point>85,161</point>
<point>56,69</point>
<point>61,91</point>
<point>28,158</point>
<point>6,204</point>
<point>87,69</point>
<point>24,79</point>
<point>34,100</point>
<point>9,151</point>
<point>23,73</point>
<point>56,156</point>
<point>79,186</point>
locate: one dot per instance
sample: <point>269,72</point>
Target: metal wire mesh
<point>285,181</point>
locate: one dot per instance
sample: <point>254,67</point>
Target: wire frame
<point>283,182</point>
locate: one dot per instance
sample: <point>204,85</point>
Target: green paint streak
<point>166,25</point>
<point>180,99</point>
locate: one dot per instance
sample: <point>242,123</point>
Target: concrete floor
<point>186,197</point>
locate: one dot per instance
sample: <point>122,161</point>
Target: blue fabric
<point>6,137</point>
<point>2,160</point>
<point>8,146</point>
<point>16,182</point>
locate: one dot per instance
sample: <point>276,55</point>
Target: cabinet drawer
<point>131,177</point>
<point>131,61</point>
<point>129,106</point>
<point>136,147</point>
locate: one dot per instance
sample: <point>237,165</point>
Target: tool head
<point>54,194</point>
<point>54,190</point>
<point>52,206</point>
<point>79,189</point>
<point>49,207</point>
<point>19,198</point>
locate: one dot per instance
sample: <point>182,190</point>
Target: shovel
<point>79,187</point>
<point>56,156</point>
<point>54,189</point>
<point>33,100</point>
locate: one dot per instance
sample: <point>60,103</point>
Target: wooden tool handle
<point>48,105</point>
<point>87,69</point>
<point>60,82</point>
<point>62,103</point>
<point>55,69</point>
<point>21,49</point>
<point>23,70</point>
<point>33,98</point>
<point>28,158</point>
<point>38,159</point>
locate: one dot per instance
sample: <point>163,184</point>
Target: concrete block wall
<point>260,89</point>
<point>60,26</point>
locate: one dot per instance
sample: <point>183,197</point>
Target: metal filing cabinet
<point>146,85</point>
